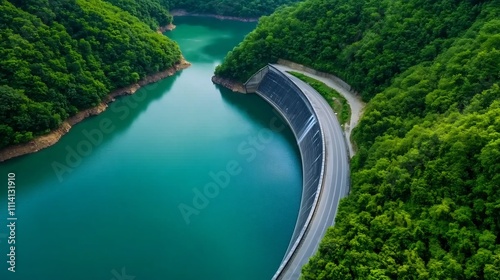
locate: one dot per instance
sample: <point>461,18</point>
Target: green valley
<point>425,180</point>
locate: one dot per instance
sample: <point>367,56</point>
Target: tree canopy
<point>153,12</point>
<point>425,184</point>
<point>364,42</point>
<point>59,57</point>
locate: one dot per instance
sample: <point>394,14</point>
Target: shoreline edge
<point>51,138</point>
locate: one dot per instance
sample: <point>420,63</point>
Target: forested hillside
<point>237,8</point>
<point>153,12</point>
<point>364,42</point>
<point>425,198</point>
<point>58,57</point>
<point>425,202</point>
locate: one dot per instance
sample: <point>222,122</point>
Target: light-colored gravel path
<point>357,106</point>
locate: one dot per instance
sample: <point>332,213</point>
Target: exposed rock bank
<point>232,85</point>
<point>163,29</point>
<point>52,137</point>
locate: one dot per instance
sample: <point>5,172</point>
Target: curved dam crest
<point>323,153</point>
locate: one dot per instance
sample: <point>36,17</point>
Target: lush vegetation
<point>336,100</point>
<point>425,198</point>
<point>425,201</point>
<point>363,42</point>
<point>59,57</point>
<point>153,12</point>
<point>237,8</point>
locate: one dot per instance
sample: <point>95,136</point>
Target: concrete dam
<point>324,158</point>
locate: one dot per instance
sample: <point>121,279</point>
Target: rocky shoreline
<point>232,85</point>
<point>53,137</point>
<point>180,13</point>
<point>163,29</point>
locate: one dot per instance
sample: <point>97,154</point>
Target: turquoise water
<point>183,180</point>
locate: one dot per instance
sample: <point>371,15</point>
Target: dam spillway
<point>324,160</point>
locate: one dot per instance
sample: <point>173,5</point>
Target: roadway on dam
<point>335,181</point>
<point>355,103</point>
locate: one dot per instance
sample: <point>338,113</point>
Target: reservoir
<point>183,180</point>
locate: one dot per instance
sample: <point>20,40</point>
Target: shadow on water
<point>126,109</point>
<point>211,52</point>
<point>214,43</point>
<point>121,114</point>
<point>258,110</point>
<point>214,48</point>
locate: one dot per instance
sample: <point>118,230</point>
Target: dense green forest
<point>425,197</point>
<point>425,200</point>
<point>364,42</point>
<point>237,8</point>
<point>58,57</point>
<point>153,12</point>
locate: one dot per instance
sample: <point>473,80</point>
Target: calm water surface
<point>183,180</point>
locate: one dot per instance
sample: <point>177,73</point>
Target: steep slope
<point>59,57</point>
<point>153,12</point>
<point>364,42</point>
<point>425,197</point>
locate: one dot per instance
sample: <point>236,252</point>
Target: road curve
<point>356,104</point>
<point>335,181</point>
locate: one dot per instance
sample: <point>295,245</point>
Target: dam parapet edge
<point>288,99</point>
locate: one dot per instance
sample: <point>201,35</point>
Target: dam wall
<point>277,89</point>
